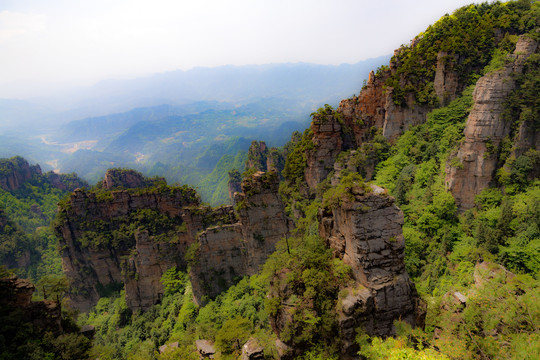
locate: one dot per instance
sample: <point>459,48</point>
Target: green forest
<point>477,270</point>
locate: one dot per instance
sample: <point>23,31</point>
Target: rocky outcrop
<point>126,178</point>
<point>15,171</point>
<point>328,143</point>
<point>133,236</point>
<point>473,167</point>
<point>366,233</point>
<point>234,184</point>
<point>230,251</point>
<point>257,155</point>
<point>16,298</point>
<point>252,350</point>
<point>205,348</point>
<point>364,229</point>
<point>356,120</point>
<point>262,158</point>
<point>146,265</point>
<point>95,259</point>
<point>65,182</point>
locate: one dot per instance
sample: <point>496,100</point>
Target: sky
<point>56,44</point>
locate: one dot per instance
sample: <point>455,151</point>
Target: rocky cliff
<point>230,251</point>
<point>364,229</point>
<point>478,156</point>
<point>366,234</point>
<point>132,236</point>
<point>15,171</point>
<point>356,121</point>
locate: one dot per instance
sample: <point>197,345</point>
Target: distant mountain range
<point>172,119</point>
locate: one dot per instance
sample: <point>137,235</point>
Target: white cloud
<point>14,25</point>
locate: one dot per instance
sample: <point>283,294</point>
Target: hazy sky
<point>49,44</point>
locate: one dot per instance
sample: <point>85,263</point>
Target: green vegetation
<point>478,271</point>
<point>294,188</point>
<point>119,232</point>
<point>27,244</point>
<point>468,40</point>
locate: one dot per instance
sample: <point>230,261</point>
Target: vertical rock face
<point>234,184</point>
<point>95,262</point>
<point>145,267</point>
<point>230,251</point>
<point>367,235</point>
<point>262,217</point>
<point>262,158</point>
<point>478,156</point>
<point>355,119</point>
<point>257,156</point>
<point>133,261</point>
<point>328,143</point>
<point>15,171</point>
<point>446,83</point>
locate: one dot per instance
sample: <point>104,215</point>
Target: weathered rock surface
<point>252,350</point>
<point>367,235</point>
<point>262,158</point>
<point>205,348</point>
<point>133,261</point>
<point>144,269</point>
<point>225,252</point>
<point>446,83</point>
<point>485,129</point>
<point>354,120</point>
<point>234,250</point>
<point>257,155</point>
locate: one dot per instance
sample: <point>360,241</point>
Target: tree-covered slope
<point>475,267</point>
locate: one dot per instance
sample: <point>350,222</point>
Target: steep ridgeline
<point>427,74</point>
<point>16,171</point>
<point>488,127</point>
<point>131,236</point>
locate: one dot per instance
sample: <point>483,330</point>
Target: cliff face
<point>112,239</point>
<point>486,128</point>
<point>356,119</point>
<point>92,266</point>
<point>365,231</point>
<point>233,250</point>
<point>15,171</point>
<point>366,234</point>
